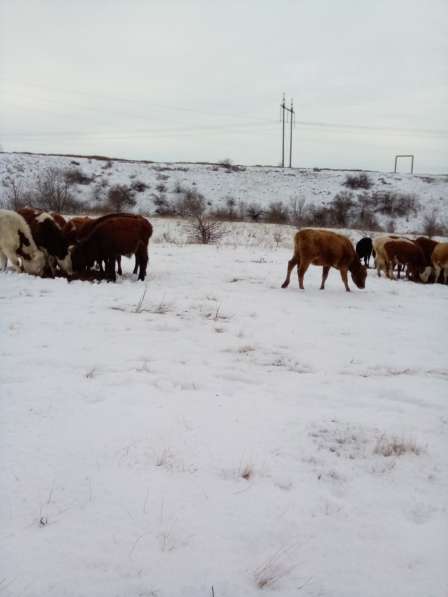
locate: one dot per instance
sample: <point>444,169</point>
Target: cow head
<point>78,258</point>
<point>66,264</point>
<point>358,273</point>
<point>34,263</point>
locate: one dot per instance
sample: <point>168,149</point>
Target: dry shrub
<point>277,213</point>
<point>139,186</point>
<point>77,176</point>
<point>16,195</point>
<point>205,231</point>
<point>432,225</point>
<point>361,181</point>
<point>120,197</point>
<point>53,192</point>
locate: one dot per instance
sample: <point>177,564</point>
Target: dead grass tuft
<point>396,446</point>
<point>274,569</point>
<point>246,472</point>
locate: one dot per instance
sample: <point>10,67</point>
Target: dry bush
<point>277,213</point>
<point>205,231</point>
<point>191,205</point>
<point>297,210</point>
<point>161,187</point>
<point>16,195</point>
<point>164,207</point>
<point>340,209</point>
<point>77,176</point>
<point>120,197</point>
<point>395,446</point>
<point>229,212</point>
<point>432,225</point>
<point>53,192</point>
<point>229,166</point>
<point>254,212</point>
<point>395,205</point>
<point>139,186</point>
<point>361,181</point>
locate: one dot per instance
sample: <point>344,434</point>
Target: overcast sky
<point>202,80</point>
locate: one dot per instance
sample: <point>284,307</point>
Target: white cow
<point>17,244</point>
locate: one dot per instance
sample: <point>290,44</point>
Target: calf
<point>17,244</point>
<point>379,253</point>
<point>405,254</point>
<point>322,247</point>
<point>109,239</point>
<point>364,249</point>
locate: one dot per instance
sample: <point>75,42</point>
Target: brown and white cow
<point>328,249</point>
<point>111,237</point>
<point>379,253</point>
<point>49,237</point>
<point>17,244</point>
<point>404,254</point>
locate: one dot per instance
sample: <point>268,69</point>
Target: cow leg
<point>325,271</point>
<point>3,260</point>
<point>301,271</point>
<point>143,263</point>
<point>399,268</point>
<point>119,271</point>
<point>291,265</point>
<point>141,256</point>
<point>344,278</point>
<point>14,260</point>
<point>110,269</point>
<point>136,264</point>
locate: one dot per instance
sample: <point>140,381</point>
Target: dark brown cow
<point>48,237</point>
<point>427,245</point>
<point>322,247</point>
<point>81,226</point>
<point>405,254</point>
<point>111,237</point>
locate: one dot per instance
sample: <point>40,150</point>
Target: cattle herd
<point>46,244</point>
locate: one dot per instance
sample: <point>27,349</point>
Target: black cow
<point>364,249</point>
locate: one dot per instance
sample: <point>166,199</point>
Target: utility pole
<point>292,113</point>
<point>291,110</point>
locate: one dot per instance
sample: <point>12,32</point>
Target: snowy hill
<point>219,182</point>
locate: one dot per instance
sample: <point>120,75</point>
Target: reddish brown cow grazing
<point>109,239</point>
<point>407,254</point>
<point>321,247</point>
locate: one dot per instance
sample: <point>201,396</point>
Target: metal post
<point>290,136</point>
<point>283,131</point>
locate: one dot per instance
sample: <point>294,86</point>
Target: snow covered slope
<point>257,184</point>
<point>220,432</point>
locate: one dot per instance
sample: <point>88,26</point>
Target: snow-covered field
<point>208,433</point>
<point>252,184</point>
